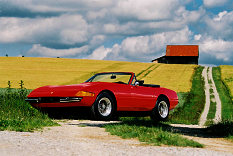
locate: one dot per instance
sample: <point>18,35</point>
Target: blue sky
<point>125,30</point>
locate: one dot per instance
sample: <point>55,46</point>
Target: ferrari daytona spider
<point>107,94</point>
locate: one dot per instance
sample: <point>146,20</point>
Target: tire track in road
<point>207,100</point>
<point>207,75</point>
<point>218,115</point>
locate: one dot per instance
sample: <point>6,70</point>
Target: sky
<point>123,30</point>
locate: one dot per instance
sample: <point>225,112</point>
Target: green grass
<point>82,125</point>
<point>18,115</point>
<point>227,105</point>
<point>224,128</point>
<point>211,113</point>
<point>148,132</point>
<point>191,104</point>
<point>182,99</point>
<point>227,78</point>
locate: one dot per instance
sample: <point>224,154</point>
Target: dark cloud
<point>9,10</point>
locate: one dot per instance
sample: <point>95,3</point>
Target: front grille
<point>49,100</point>
<point>70,99</point>
<point>53,99</point>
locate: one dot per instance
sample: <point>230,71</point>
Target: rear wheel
<point>104,107</point>
<point>161,110</point>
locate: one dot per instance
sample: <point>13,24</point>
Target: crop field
<point>176,77</point>
<point>227,77</point>
<point>36,72</point>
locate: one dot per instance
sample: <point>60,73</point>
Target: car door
<point>142,98</point>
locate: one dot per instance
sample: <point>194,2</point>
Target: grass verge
<point>148,132</point>
<point>18,115</point>
<point>212,111</point>
<point>192,103</point>
<point>227,105</point>
<point>224,128</point>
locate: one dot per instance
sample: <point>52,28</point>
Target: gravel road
<point>204,114</point>
<point>72,138</point>
<point>207,75</point>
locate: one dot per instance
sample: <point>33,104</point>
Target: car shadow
<point>68,113</point>
<point>189,131</point>
<point>85,114</point>
<point>93,123</point>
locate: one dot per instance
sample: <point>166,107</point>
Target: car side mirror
<point>136,83</point>
<point>139,83</point>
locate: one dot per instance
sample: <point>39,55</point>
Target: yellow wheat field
<point>36,72</point>
<point>176,77</point>
<point>227,77</point>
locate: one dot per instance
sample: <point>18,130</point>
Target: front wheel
<point>161,110</point>
<point>104,107</point>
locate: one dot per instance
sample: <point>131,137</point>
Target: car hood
<point>58,91</point>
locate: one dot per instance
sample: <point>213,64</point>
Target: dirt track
<point>210,84</point>
<point>86,137</point>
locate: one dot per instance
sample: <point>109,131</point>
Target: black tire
<point>104,107</point>
<point>161,110</point>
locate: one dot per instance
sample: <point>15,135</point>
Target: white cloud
<point>184,16</point>
<point>37,49</point>
<point>110,28</point>
<point>93,15</point>
<point>214,3</point>
<point>100,53</point>
<point>38,30</point>
<point>197,37</point>
<point>97,40</point>
<point>220,15</point>
<point>220,49</point>
<point>221,25</point>
<point>144,47</point>
<point>145,10</point>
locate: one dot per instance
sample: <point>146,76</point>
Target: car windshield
<point>123,78</point>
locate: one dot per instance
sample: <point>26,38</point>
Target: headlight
<point>83,93</point>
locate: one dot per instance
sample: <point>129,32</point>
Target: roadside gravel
<point>85,137</point>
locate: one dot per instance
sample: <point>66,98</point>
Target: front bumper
<point>40,102</point>
<point>53,100</point>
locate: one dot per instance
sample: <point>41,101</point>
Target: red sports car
<point>107,94</point>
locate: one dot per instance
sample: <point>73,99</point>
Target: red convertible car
<point>106,94</point>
